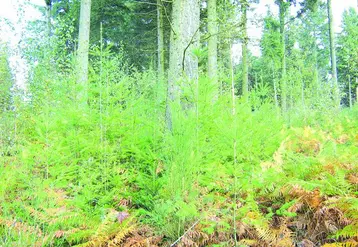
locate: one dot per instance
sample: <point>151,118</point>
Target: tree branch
<point>190,42</point>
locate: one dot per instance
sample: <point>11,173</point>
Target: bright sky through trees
<point>9,10</point>
<point>9,7</point>
<point>260,10</point>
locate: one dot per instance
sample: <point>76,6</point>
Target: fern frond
<point>349,231</point>
<point>120,235</point>
<point>345,244</point>
<point>110,233</point>
<point>266,234</point>
<point>248,242</point>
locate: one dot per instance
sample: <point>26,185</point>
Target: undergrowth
<point>110,174</point>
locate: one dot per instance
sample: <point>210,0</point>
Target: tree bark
<point>184,37</point>
<point>333,53</point>
<point>83,46</point>
<point>274,87</point>
<point>283,9</point>
<point>48,15</point>
<point>350,91</point>
<point>160,27</point>
<point>357,90</point>
<point>316,71</point>
<point>302,89</point>
<point>245,65</point>
<point>212,43</point>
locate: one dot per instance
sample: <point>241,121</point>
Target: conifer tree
<point>83,46</point>
<point>245,65</point>
<point>160,40</point>
<point>333,54</point>
<point>212,41</point>
<point>184,38</point>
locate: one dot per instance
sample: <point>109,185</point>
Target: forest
<point>168,123</point>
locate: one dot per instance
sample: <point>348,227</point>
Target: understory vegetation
<point>118,135</point>
<point>109,173</point>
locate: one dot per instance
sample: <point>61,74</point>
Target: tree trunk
<point>357,90</point>
<point>233,112</point>
<point>232,84</point>
<point>350,91</point>
<point>333,54</point>
<point>275,87</point>
<point>225,60</point>
<point>183,64</point>
<point>283,9</point>
<point>302,89</point>
<point>245,65</point>
<point>48,15</point>
<point>83,46</point>
<point>50,64</point>
<point>316,71</point>
<point>212,43</point>
<point>160,27</point>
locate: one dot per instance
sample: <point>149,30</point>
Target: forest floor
<point>304,194</point>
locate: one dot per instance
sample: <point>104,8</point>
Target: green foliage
<point>5,79</point>
<point>347,54</point>
<point>136,31</point>
<point>99,174</point>
<point>73,167</point>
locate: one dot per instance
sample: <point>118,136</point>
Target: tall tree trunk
<point>83,46</point>
<point>333,53</point>
<point>212,43</point>
<point>245,65</point>
<point>51,67</point>
<point>160,40</point>
<point>316,71</point>
<point>283,10</point>
<point>225,60</point>
<point>255,86</point>
<point>275,87</point>
<point>357,90</point>
<point>233,112</point>
<point>350,91</point>
<point>302,89</point>
<point>183,64</point>
<point>48,15</point>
